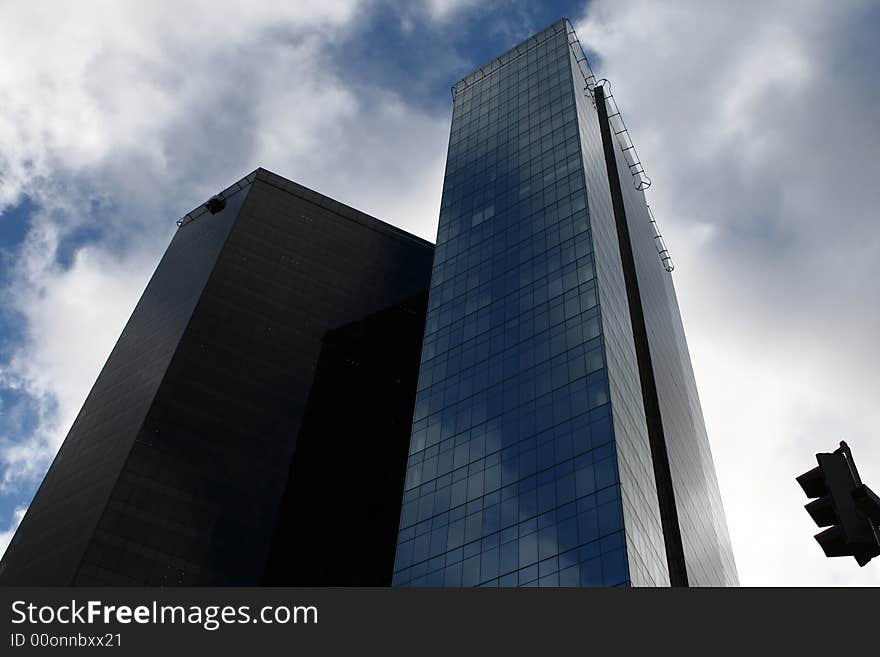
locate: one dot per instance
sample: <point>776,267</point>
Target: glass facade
<point>512,477</point>
<point>531,460</point>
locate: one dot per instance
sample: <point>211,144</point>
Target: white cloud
<point>74,316</point>
<point>83,80</point>
<point>753,123</point>
<point>444,9</point>
<point>364,147</point>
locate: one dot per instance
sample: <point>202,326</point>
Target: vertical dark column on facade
<point>646,552</point>
<point>702,528</point>
<point>659,454</point>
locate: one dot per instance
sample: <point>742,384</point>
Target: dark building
<point>251,424</point>
<point>558,438</point>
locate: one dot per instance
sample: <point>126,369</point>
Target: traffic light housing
<point>849,509</point>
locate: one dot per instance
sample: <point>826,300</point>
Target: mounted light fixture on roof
<point>216,203</point>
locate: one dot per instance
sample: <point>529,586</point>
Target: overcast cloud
<point>756,121</point>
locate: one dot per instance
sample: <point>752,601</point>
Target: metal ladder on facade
<point>641,181</point>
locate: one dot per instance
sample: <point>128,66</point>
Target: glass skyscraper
<point>557,438</point>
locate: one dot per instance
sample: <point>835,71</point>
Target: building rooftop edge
<point>510,54</point>
<point>280,182</point>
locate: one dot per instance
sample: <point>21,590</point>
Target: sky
<point>757,122</point>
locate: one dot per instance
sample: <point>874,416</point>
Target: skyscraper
<point>557,437</point>
<point>251,424</point>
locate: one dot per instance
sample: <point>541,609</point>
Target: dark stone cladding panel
<point>55,532</point>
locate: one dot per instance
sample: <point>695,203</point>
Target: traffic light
<point>849,509</point>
